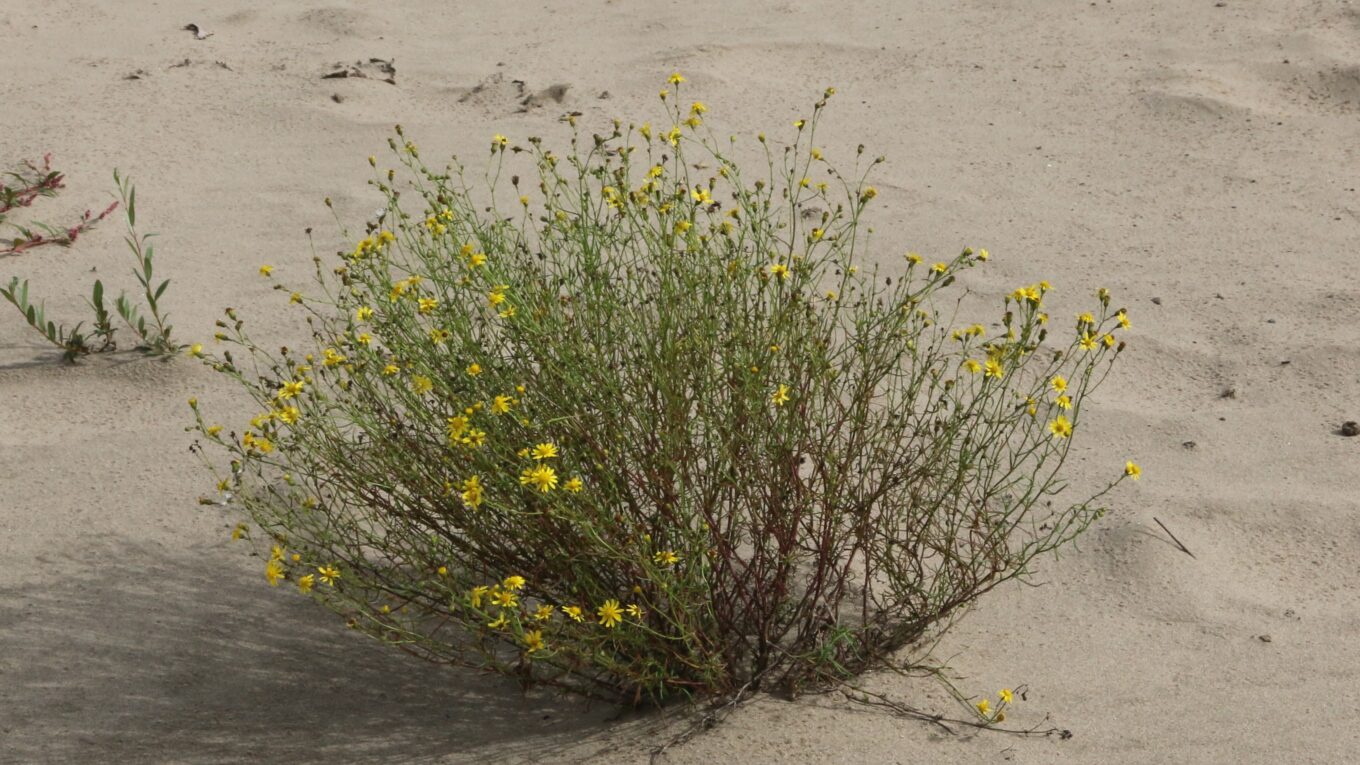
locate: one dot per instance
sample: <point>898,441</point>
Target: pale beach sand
<point>1200,159</point>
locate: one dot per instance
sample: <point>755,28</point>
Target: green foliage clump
<point>656,428</point>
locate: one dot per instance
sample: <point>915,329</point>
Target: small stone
<point>336,97</point>
<point>1350,429</point>
<point>1228,392</point>
<point>1263,638</point>
<point>1156,301</point>
<point>1189,444</point>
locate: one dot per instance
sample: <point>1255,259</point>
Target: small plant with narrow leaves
<point>659,428</point>
<point>150,326</point>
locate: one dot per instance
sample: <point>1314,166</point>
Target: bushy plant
<point>656,429</point>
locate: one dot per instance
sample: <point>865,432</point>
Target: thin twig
<point>1178,542</point>
<point>706,722</point>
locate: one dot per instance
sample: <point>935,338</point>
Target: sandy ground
<point>1199,158</point>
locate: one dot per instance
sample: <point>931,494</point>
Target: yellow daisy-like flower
<point>476,594</point>
<point>266,270</point>
<point>574,612</point>
<point>390,370</point>
<point>544,451</point>
<point>363,313</point>
<point>474,369</point>
<point>780,395</point>
<point>290,389</point>
<point>363,338</point>
<point>610,614</point>
<point>939,268</point>
<point>196,350</point>
<point>1123,319</point>
<point>306,583</point>
<point>472,492</point>
<point>983,255</point>
<point>983,707</point>
<point>1088,341</point>
<point>504,599</point>
<point>543,613</point>
<point>666,558</point>
<point>1058,383</point>
<point>575,485</point>
<point>499,141</point>
<point>502,404</point>
<point>1064,401</point>
<point>457,427</point>
<point>328,574</point>
<point>1132,470</point>
<point>1006,695</point>
<point>635,611</point>
<point>514,583</point>
<point>973,366</point>
<point>273,572</point>
<point>1086,318</point>
<point>541,477</point>
<point>427,304</point>
<point>676,78</point>
<point>238,531</point>
<point>1108,340</point>
<point>499,622</point>
<point>994,369</point>
<point>533,641</point>
<point>422,384</point>
<point>913,259</point>
<point>1060,427</point>
<point>780,270</point>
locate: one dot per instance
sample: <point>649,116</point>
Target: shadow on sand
<point>152,657</point>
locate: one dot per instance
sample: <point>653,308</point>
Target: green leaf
<point>160,290</point>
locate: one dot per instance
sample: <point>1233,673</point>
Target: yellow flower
<point>439,335</point>
<point>1058,383</point>
<point>214,430</point>
<point>442,570</point>
<point>390,370</point>
<point>780,270</point>
<point>295,297</point>
<point>475,596</point>
<point>635,611</point>
<point>869,193</point>
<point>306,583</point>
<point>495,297</point>
<point>499,141</point>
<point>972,366</point>
<point>994,369</point>
<point>983,707</point>
<point>500,622</point>
<point>574,612</point>
<point>1060,427</point>
<point>266,270</point>
<point>610,614</point>
<point>472,492</point>
<point>666,558</point>
<point>288,414</point>
<point>534,641</point>
<point>1007,697</point>
<point>1108,340</point>
<point>505,598</point>
<point>196,350</point>
<point>1086,318</point>
<point>543,613</point>
<point>541,477</point>
<point>474,369</point>
<point>939,268</point>
<point>1064,401</point>
<point>238,531</point>
<point>514,583</point>
<point>1123,319</point>
<point>328,574</point>
<point>780,396</point>
<point>290,389</point>
<point>421,384</point>
<point>675,79</point>
<point>1088,341</point>
<point>502,404</point>
<point>1132,470</point>
<point>544,451</point>
<point>273,571</point>
<point>332,357</point>
<point>427,304</point>
<point>574,486</point>
<point>982,255</point>
<point>913,259</point>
